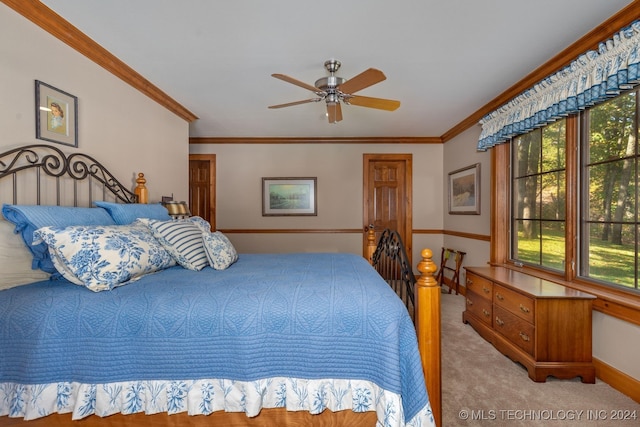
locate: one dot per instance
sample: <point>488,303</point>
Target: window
<point>609,234</point>
<point>538,197</point>
<point>604,217</point>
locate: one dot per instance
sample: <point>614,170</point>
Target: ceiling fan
<point>335,90</point>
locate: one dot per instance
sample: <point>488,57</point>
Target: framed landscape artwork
<point>289,196</point>
<point>464,191</point>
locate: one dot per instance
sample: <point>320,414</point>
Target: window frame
<point>584,123</point>
<point>619,303</point>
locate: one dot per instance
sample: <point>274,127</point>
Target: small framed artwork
<point>464,191</point>
<point>56,115</point>
<point>289,196</point>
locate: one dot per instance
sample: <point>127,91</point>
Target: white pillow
<point>104,256</point>
<point>15,259</point>
<point>220,251</point>
<point>182,238</point>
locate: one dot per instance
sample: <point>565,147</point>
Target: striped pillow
<point>182,238</point>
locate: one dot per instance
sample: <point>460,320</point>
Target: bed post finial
<point>427,268</point>
<point>141,189</point>
<point>427,297</point>
<point>371,242</point>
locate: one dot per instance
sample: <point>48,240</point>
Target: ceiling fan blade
<point>290,104</point>
<point>379,103</point>
<point>338,112</point>
<point>296,82</point>
<point>365,79</point>
<point>334,112</point>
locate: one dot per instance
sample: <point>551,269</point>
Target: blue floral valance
<point>591,79</point>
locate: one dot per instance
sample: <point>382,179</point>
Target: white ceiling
<point>444,59</point>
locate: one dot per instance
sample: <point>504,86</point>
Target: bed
<point>255,339</point>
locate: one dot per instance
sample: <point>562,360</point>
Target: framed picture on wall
<point>289,196</point>
<point>56,115</point>
<point>464,191</point>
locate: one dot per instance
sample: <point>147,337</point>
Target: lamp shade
<point>177,209</point>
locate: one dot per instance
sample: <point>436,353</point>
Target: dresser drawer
<point>516,303</point>
<point>540,324</point>
<point>480,286</point>
<point>515,329</point>
<point>480,307</point>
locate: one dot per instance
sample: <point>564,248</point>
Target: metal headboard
<point>53,169</point>
<point>391,262</point>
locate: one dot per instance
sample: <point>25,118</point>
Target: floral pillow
<point>220,251</point>
<point>29,218</point>
<point>182,238</point>
<point>103,257</point>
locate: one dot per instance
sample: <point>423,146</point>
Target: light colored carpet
<point>481,387</point>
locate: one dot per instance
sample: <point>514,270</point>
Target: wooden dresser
<point>544,326</point>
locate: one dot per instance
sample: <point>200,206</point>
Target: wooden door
<point>388,196</point>
<point>202,176</point>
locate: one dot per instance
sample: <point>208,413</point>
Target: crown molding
<point>64,31</point>
<point>53,23</point>
<point>317,140</point>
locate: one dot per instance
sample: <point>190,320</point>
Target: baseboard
<point>617,379</point>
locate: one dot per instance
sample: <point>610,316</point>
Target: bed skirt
<point>204,397</point>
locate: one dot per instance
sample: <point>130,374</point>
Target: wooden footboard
<point>425,304</point>
<point>427,321</point>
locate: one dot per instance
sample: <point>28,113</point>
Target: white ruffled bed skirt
<point>198,397</point>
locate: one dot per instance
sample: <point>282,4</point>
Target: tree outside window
<point>539,197</point>
<point>609,249</point>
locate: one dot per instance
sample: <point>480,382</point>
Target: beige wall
<point>123,129</point>
<point>338,168</point>
<point>617,343</point>
<point>459,153</point>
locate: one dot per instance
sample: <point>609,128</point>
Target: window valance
<point>592,78</point>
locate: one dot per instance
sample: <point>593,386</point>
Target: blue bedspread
<point>309,317</point>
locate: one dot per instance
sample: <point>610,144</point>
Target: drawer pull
<point>469,281</point>
<point>486,313</point>
<point>499,321</point>
<point>469,302</point>
<point>500,297</point>
<point>524,309</point>
<point>486,290</point>
<point>524,336</point>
